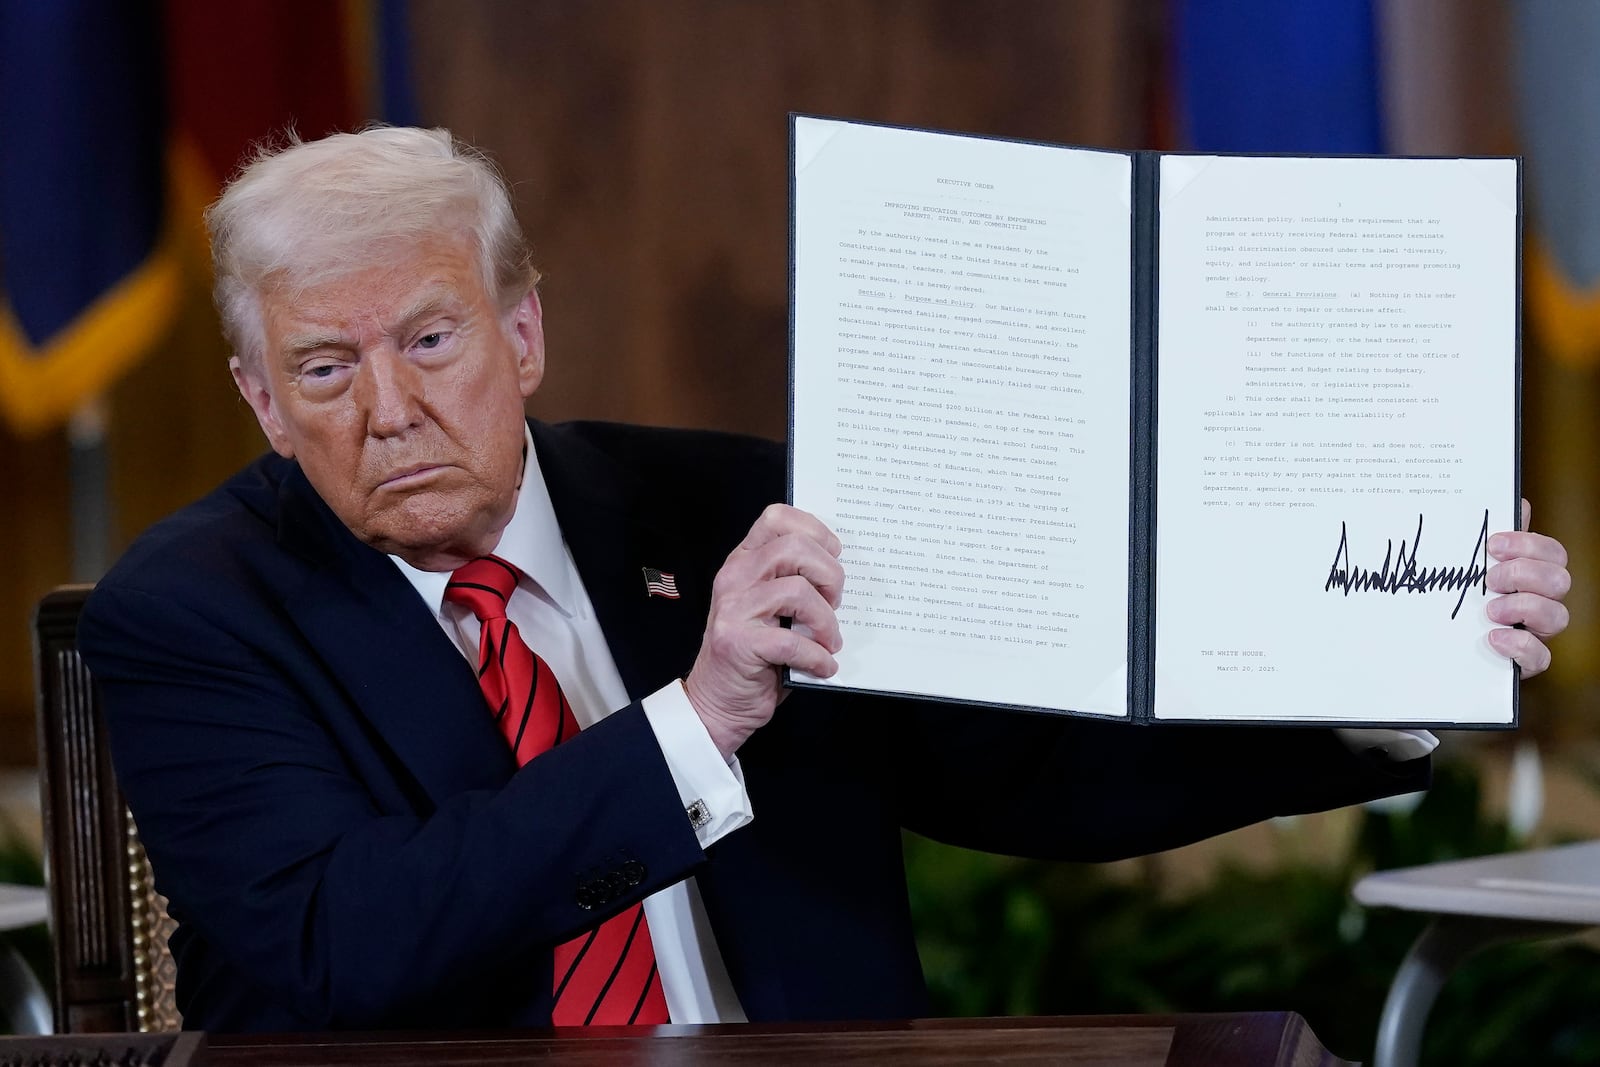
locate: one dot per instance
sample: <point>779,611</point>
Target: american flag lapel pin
<point>660,583</point>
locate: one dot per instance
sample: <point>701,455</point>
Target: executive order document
<point>1244,423</point>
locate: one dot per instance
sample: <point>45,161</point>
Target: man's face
<point>399,389</point>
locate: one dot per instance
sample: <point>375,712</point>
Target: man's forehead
<point>389,295</point>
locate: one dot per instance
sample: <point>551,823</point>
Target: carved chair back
<point>109,927</point>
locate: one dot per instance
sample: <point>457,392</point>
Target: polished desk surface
<point>1281,1039</point>
<point>1556,885</point>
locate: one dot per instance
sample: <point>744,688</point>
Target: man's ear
<point>254,390</point>
<point>527,331</point>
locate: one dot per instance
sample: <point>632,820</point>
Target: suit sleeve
<point>1064,788</point>
<point>350,905</point>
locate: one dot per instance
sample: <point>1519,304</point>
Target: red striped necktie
<point>607,976</point>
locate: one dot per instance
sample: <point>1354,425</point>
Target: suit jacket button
<point>633,872</point>
<point>586,896</point>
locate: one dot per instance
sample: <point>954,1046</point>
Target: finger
<point>803,556</point>
<point>752,645</point>
<point>795,599</point>
<point>1510,544</point>
<point>781,519</point>
<point>803,629</point>
<point>1523,647</point>
<point>789,554</point>
<point>791,597</point>
<point>1527,514</point>
<point>1523,575</point>
<point>1539,614</point>
<point>786,648</point>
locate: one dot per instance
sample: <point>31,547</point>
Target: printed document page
<point>1336,436</point>
<point>961,409</point>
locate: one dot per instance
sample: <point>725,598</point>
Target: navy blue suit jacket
<point>346,842</point>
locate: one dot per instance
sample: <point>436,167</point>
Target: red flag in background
<point>240,73</point>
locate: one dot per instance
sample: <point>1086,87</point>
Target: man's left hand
<point>1532,575</point>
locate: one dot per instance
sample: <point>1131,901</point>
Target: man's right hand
<point>786,567</point>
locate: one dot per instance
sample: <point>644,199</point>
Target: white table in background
<point>1478,902</point>
<point>22,999</point>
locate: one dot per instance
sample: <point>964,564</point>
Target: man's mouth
<point>411,477</point>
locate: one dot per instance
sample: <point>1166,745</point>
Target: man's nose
<point>392,393</point>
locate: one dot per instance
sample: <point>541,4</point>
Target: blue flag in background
<point>120,121</point>
<point>1558,90</point>
<point>86,285</point>
<point>1277,76</point>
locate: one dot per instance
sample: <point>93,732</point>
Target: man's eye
<point>430,340</point>
<point>324,370</point>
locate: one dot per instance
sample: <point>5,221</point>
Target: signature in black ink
<point>1401,573</point>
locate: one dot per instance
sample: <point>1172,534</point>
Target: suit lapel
<point>384,646</point>
<point>613,537</point>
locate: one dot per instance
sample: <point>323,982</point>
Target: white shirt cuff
<point>1399,745</point>
<point>712,791</point>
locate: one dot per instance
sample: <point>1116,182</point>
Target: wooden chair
<point>109,926</point>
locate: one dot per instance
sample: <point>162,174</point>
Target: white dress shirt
<point>552,611</point>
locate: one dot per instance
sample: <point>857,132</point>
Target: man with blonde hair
<point>436,716</point>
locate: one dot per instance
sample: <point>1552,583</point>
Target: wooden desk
<point>1279,1039</point>
<point>1479,902</point>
